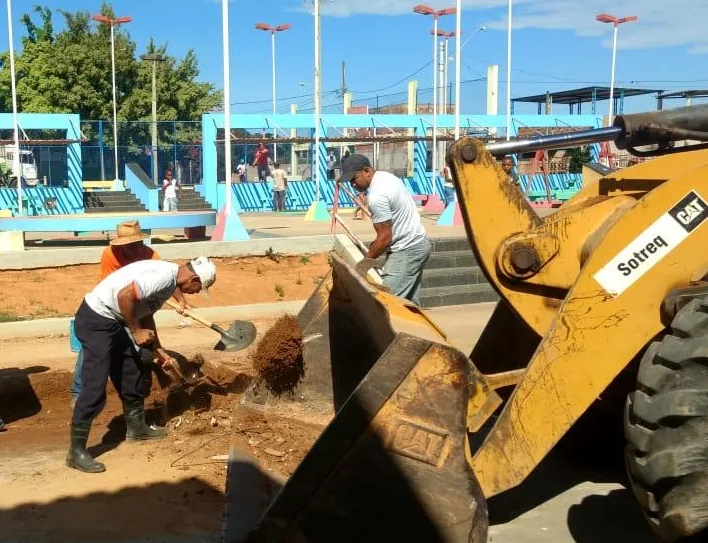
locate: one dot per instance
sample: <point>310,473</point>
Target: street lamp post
<point>445,54</point>
<point>273,30</point>
<point>318,98</point>
<point>112,22</point>
<point>154,59</point>
<point>227,104</point>
<point>16,161</point>
<point>615,21</point>
<point>508,74</point>
<point>436,14</point>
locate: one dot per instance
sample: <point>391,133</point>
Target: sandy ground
<point>54,292</point>
<point>172,490</point>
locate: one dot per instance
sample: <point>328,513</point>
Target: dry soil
<point>54,292</point>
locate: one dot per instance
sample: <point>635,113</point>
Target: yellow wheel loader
<point>422,435</point>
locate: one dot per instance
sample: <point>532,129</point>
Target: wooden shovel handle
<point>190,314</point>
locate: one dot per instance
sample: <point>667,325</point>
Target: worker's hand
<point>183,306</point>
<point>144,337</point>
<point>164,360</point>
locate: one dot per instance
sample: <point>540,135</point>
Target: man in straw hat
<point>127,247</point>
<point>114,320</point>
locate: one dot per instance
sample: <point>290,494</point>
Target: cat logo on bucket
<point>647,249</point>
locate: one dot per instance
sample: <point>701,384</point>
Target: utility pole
<point>154,59</point>
<point>343,90</point>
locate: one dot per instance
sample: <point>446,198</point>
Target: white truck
<point>28,165</point>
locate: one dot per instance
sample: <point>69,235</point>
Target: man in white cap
<point>114,320</point>
<point>125,248</point>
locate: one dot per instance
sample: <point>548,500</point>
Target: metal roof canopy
<point>688,95</point>
<point>583,95</point>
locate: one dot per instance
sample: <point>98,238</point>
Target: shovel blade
<point>240,334</point>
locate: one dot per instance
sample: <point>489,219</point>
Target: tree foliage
<point>70,72</point>
<point>578,157</point>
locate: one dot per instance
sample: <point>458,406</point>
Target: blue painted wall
<point>252,199</point>
<point>149,196</point>
<point>69,199</point>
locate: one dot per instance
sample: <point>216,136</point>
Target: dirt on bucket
<point>278,356</point>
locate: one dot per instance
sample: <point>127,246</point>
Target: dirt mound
<point>278,357</point>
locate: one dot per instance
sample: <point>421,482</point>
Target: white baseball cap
<point>206,270</point>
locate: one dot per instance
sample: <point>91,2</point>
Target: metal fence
<point>178,147</point>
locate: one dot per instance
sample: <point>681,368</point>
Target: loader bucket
<point>392,465</point>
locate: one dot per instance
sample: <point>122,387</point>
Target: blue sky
<point>557,45</point>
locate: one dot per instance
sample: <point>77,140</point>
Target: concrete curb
<point>164,318</point>
<point>72,256</point>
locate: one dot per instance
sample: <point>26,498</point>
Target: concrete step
<point>441,277</point>
<point>451,259</point>
<point>441,245</point>
<point>115,209</point>
<point>457,295</point>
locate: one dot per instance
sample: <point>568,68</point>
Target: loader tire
<point>666,426</point>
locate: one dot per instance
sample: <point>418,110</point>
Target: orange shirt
<point>110,262</point>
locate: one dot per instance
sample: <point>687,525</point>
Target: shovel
<point>239,335</point>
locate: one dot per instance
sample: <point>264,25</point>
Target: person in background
<point>169,187</point>
<point>508,167</point>
<point>113,321</point>
<point>400,234</point>
<point>280,187</point>
<point>127,247</point>
<point>261,162</point>
<point>241,171</point>
<point>446,174</point>
<point>331,163</point>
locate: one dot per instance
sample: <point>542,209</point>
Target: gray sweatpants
<point>403,271</point>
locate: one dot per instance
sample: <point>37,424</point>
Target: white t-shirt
<point>279,179</point>
<point>331,161</point>
<point>170,188</point>
<point>154,282</point>
<point>389,200</point>
<point>447,174</point>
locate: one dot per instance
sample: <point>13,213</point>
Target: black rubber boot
<point>78,457</point>
<point>137,428</point>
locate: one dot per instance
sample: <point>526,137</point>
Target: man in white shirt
<point>169,187</point>
<point>331,163</point>
<point>449,186</point>
<point>114,320</point>
<point>399,231</point>
<point>280,187</point>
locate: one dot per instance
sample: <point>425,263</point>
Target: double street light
<point>273,30</point>
<point>422,9</point>
<point>616,22</point>
<point>112,22</point>
<point>444,66</point>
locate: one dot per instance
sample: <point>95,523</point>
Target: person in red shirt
<point>261,161</point>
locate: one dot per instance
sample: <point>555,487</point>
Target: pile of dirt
<point>278,357</point>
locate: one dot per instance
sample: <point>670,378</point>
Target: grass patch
<point>10,317</point>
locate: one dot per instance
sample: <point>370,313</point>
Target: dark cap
<point>354,163</point>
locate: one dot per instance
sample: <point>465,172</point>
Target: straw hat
<point>128,232</point>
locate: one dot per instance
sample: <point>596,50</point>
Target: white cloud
<point>661,23</point>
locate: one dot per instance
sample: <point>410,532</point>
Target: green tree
<point>70,72</point>
<point>578,156</point>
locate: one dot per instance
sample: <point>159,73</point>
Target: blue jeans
<point>76,385</point>
<point>449,195</point>
<point>279,200</point>
<point>79,366</point>
<point>403,271</point>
